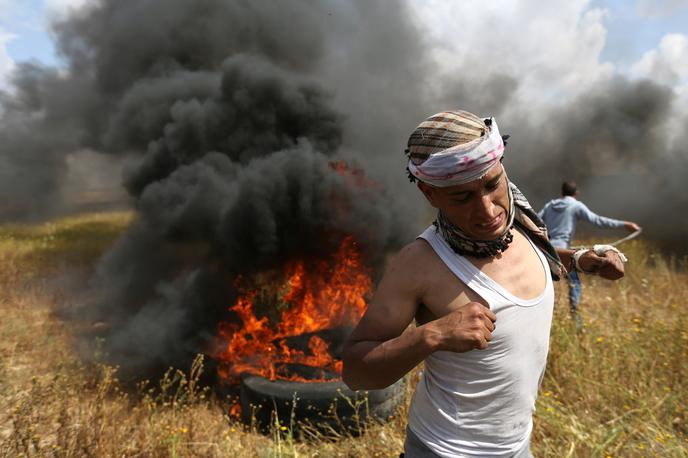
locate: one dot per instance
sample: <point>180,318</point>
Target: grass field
<point>616,390</point>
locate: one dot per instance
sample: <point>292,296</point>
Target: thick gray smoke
<point>614,143</point>
<point>229,113</point>
<point>228,117</point>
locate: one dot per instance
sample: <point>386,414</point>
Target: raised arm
<point>593,218</point>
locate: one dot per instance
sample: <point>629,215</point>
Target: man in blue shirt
<point>560,216</point>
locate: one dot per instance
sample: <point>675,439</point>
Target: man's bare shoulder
<point>417,250</point>
<point>405,281</point>
<point>418,272</point>
<point>413,261</point>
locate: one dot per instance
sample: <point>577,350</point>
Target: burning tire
<point>321,404</point>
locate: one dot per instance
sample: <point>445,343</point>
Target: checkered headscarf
<point>453,147</point>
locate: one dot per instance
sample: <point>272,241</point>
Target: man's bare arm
<point>383,347</point>
<point>373,364</point>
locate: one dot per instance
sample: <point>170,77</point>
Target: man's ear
<point>430,193</point>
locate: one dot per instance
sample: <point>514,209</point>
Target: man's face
<point>479,208</point>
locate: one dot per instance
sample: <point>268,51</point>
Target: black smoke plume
<point>229,128</point>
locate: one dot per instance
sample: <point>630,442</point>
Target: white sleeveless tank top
<point>481,402</point>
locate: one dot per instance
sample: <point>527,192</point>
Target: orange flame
<point>331,295</point>
<point>235,409</point>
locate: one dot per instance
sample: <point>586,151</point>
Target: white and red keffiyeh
<point>436,159</point>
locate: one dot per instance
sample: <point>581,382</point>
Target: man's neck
<point>518,269</point>
<point>463,245</point>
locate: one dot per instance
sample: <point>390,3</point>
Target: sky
<point>634,30</point>
<point>631,28</point>
<point>645,38</point>
<point>25,34</point>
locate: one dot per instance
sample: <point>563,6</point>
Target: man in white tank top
<point>478,283</point>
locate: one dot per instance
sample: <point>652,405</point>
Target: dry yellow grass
<point>616,390</point>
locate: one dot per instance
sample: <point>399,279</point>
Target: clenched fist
<point>610,266</point>
<point>466,328</point>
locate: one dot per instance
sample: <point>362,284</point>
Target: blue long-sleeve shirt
<point>561,215</point>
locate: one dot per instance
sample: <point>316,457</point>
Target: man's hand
<point>466,328</point>
<point>630,226</point>
<point>610,266</point>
